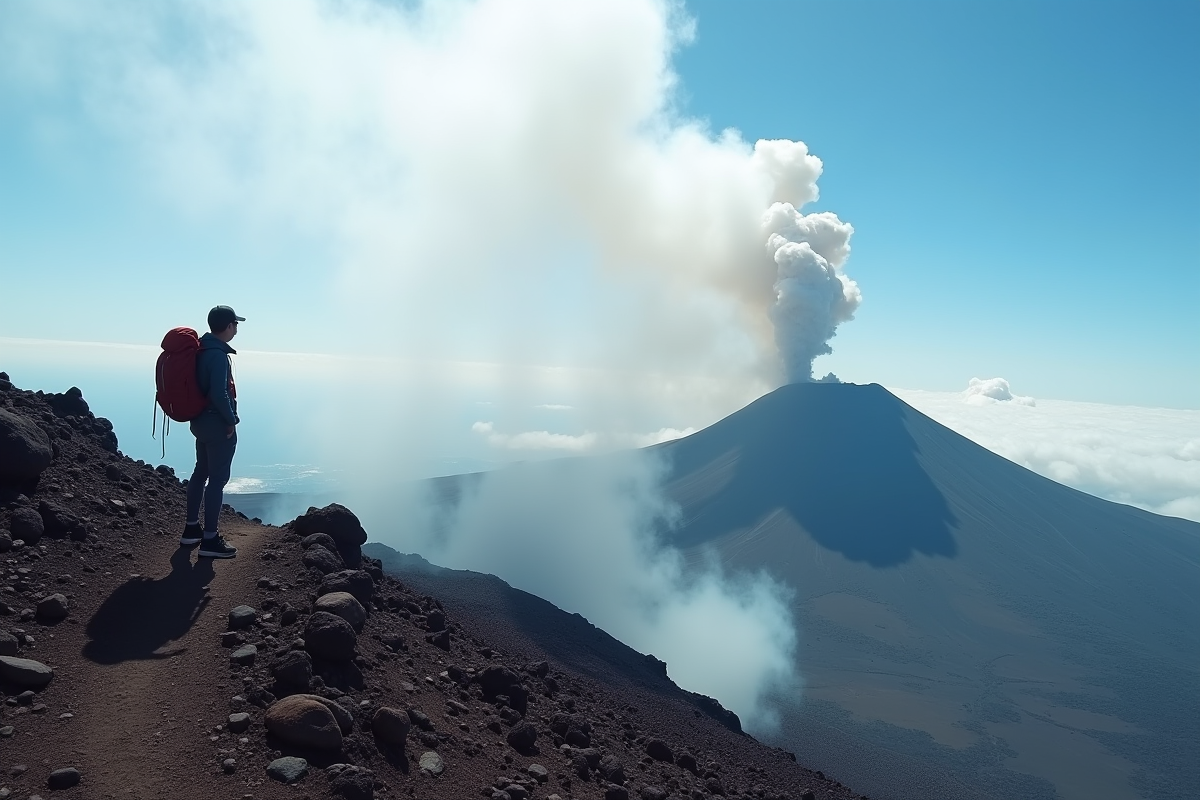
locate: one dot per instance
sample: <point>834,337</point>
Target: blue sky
<point>1021,178</point>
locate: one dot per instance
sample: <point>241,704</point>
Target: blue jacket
<point>214,378</point>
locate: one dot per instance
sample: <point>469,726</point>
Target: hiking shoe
<point>192,534</point>
<point>215,547</point>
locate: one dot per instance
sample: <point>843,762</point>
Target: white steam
<point>581,533</point>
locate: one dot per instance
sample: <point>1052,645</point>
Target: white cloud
<point>1146,457</point>
<point>554,407</point>
<point>981,392</point>
<point>588,441</point>
<point>535,440</point>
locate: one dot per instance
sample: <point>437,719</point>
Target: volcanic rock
<point>288,769</point>
<point>238,722</point>
<point>60,521</point>
<point>242,617</point>
<point>653,793</point>
<point>63,778</point>
<point>244,656</point>
<point>344,605</point>
<point>303,721</point>
<point>351,782</point>
<point>355,581</point>
<point>53,608</point>
<point>321,559</point>
<point>293,669</point>
<point>26,525</point>
<point>329,636</point>
<point>340,523</point>
<point>8,644</point>
<point>659,751</point>
<point>522,738</point>
<point>391,725</point>
<point>432,763</point>
<point>323,539</point>
<point>25,449</point>
<point>25,672</point>
<point>345,719</point>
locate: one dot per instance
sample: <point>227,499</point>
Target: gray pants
<point>214,459</point>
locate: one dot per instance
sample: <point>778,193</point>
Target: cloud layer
<point>1145,457</point>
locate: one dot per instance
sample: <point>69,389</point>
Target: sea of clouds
<point>1145,457</point>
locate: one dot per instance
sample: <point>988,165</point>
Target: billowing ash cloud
<point>813,295</point>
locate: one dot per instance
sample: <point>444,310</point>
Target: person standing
<point>216,435</point>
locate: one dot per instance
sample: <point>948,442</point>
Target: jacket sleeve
<point>218,387</point>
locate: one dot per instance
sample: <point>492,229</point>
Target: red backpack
<point>177,394</point>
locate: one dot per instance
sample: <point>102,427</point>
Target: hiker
<point>215,430</point>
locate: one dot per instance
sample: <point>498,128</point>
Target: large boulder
<point>344,718</point>
<point>25,672</point>
<point>330,637</point>
<point>303,721</point>
<point>355,581</point>
<point>345,606</point>
<point>341,524</point>
<point>25,449</point>
<point>26,524</point>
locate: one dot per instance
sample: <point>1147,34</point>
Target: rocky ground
<point>130,668</point>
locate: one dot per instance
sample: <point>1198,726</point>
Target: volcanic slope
<point>167,668</point>
<point>968,627</point>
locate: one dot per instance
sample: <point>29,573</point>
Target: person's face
<point>230,331</point>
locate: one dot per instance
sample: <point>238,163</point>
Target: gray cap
<point>220,317</point>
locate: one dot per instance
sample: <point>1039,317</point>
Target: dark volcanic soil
<point>145,684</point>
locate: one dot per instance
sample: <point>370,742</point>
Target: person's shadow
<point>143,615</point>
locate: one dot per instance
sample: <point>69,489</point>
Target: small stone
<point>432,763</point>
<point>229,765</point>
<point>539,773</point>
<point>7,731</point>
<point>420,719</point>
<point>8,644</point>
<point>653,793</point>
<point>391,725</point>
<point>288,769</point>
<point>238,722</point>
<point>232,639</point>
<point>615,792</point>
<point>63,778</point>
<point>244,655</point>
<point>242,617</point>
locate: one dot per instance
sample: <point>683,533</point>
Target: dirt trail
<point>159,681</point>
